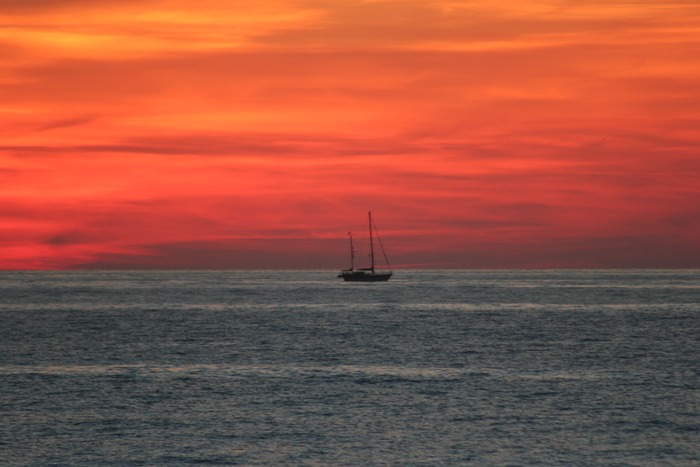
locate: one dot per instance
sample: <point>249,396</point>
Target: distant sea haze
<point>300,368</point>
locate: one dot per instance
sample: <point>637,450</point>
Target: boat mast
<point>352,253</point>
<point>371,240</point>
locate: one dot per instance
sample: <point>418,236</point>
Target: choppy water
<point>279,368</point>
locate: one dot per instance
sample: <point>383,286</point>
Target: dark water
<point>279,368</point>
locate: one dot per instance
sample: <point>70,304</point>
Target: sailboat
<point>369,274</point>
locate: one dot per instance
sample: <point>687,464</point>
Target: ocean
<point>495,368</point>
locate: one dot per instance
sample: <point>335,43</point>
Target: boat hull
<point>364,277</point>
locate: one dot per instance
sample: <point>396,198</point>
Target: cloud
<point>480,132</point>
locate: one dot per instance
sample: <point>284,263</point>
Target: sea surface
<point>569,368</point>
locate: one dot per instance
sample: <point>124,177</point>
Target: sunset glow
<point>212,134</point>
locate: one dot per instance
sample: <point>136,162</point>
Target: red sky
<point>238,134</point>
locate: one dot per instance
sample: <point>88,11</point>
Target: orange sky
<point>238,134</point>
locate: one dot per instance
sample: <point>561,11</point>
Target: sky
<point>212,134</point>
